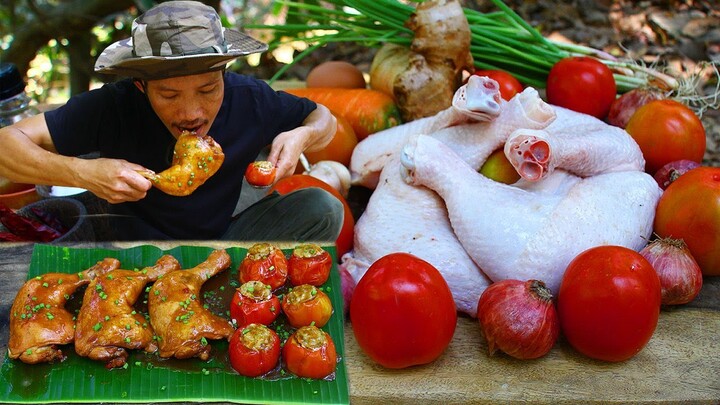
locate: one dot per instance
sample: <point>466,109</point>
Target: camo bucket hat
<point>176,38</point>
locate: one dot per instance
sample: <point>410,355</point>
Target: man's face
<point>187,103</point>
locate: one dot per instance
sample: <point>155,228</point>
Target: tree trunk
<point>62,21</point>
<point>81,66</point>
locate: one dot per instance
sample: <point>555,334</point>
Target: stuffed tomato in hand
<point>309,264</point>
<point>254,302</point>
<point>310,353</point>
<point>305,305</point>
<point>260,173</point>
<point>254,350</point>
<point>266,263</point>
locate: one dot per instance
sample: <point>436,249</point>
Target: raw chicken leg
<point>39,321</point>
<point>107,324</point>
<point>534,233</point>
<point>478,100</point>
<point>587,147</point>
<point>404,218</point>
<point>181,323</point>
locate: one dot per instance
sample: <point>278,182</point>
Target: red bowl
<point>16,196</point>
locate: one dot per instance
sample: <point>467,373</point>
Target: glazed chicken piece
<point>195,159</point>
<point>107,324</point>
<point>182,324</point>
<point>39,322</point>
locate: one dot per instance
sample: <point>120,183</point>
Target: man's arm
<point>314,134</point>
<point>29,156</point>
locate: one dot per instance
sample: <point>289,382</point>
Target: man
<point>176,58</point>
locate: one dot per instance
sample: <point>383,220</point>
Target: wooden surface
<point>680,364</point>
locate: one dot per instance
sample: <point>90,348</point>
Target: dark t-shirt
<point>118,122</point>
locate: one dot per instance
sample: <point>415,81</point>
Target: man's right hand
<point>115,180</point>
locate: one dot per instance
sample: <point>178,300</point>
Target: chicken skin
<point>39,322</point>
<point>195,159</point>
<point>182,324</point>
<point>107,323</point>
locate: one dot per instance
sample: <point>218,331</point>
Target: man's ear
<point>139,84</point>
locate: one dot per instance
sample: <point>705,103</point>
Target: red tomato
<point>402,312</point>
<point>609,303</point>
<point>254,350</point>
<point>667,131</point>
<point>689,209</point>
<point>582,84</point>
<point>310,353</point>
<point>305,304</point>
<point>254,302</point>
<point>309,264</point>
<point>509,85</point>
<point>264,262</point>
<point>285,185</point>
<point>260,173</point>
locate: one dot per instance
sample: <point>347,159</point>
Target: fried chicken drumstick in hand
<point>39,322</point>
<point>107,324</point>
<point>182,324</point>
<point>195,159</point>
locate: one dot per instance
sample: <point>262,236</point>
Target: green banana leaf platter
<point>148,378</point>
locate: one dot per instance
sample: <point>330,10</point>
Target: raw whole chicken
<point>582,185</point>
<point>403,218</point>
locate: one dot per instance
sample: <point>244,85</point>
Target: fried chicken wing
<point>181,323</point>
<point>107,323</point>
<point>39,322</point>
<point>195,159</point>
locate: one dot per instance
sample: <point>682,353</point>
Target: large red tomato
<point>509,85</point>
<point>689,209</point>
<point>582,84</point>
<point>667,131</point>
<point>402,312</point>
<point>285,185</point>
<point>609,303</point>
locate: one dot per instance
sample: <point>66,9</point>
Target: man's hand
<point>316,132</point>
<point>114,180</point>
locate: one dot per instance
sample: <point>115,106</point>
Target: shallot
<point>671,171</point>
<point>625,106</point>
<point>680,275</point>
<point>518,318</point>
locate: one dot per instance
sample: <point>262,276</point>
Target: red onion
<point>680,275</point>
<point>671,171</point>
<point>348,287</point>
<point>625,106</point>
<point>518,318</point>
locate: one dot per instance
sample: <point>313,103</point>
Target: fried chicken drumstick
<point>195,159</point>
<point>182,324</point>
<point>107,324</point>
<point>39,322</point>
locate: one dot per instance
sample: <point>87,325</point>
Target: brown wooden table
<point>680,364</point>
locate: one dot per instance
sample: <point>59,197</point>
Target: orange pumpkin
<point>340,147</point>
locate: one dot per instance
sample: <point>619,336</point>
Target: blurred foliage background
<point>56,42</point>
